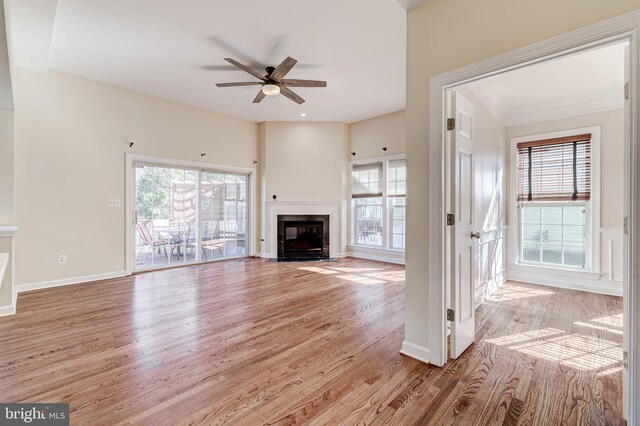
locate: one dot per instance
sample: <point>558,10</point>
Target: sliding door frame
<point>130,163</point>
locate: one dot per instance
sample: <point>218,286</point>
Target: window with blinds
<point>366,180</point>
<point>378,206</point>
<point>556,169</point>
<point>397,178</point>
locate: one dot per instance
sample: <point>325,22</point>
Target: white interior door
<point>463,236</point>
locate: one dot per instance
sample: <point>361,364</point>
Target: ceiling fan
<point>274,83</point>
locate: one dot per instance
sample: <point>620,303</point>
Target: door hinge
<point>625,360</point>
<point>451,219</point>
<point>627,91</point>
<point>451,123</point>
<point>451,315</point>
<point>625,226</point>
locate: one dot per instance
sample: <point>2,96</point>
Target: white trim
<point>7,310</point>
<point>131,158</point>
<point>563,281</point>
<point>379,254</point>
<point>4,261</point>
<point>618,28</point>
<point>275,208</point>
<point>593,219</point>
<point>415,351</point>
<point>8,231</point>
<point>22,288</point>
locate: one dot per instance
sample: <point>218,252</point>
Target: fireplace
<point>303,237</point>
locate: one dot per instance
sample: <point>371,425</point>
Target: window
<point>554,201</point>
<point>397,189</point>
<point>378,191</point>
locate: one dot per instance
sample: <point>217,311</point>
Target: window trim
<point>593,213</point>
<point>386,236</point>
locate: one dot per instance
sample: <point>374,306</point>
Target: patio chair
<point>150,243</point>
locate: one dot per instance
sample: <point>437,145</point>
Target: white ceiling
<point>578,84</point>
<point>175,50</point>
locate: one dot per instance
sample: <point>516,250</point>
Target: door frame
<point>131,159</point>
<point>619,28</point>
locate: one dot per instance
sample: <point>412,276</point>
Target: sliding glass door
<point>185,215</point>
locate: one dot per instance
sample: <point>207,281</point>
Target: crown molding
<point>588,103</point>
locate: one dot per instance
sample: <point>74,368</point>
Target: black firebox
<point>303,237</point>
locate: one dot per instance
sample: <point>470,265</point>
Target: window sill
<point>551,271</point>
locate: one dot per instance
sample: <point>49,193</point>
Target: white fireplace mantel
<point>275,208</point>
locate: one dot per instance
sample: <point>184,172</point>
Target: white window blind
<point>555,169</point>
<point>367,180</point>
<point>397,178</point>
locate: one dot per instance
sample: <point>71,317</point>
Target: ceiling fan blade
<point>291,95</point>
<point>304,83</point>
<point>246,83</point>
<point>245,68</point>
<point>259,97</point>
<point>284,67</point>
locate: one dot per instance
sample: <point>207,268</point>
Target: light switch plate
<point>114,202</point>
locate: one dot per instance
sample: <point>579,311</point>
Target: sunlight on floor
<point>368,276</point>
<point>570,349</point>
<point>514,291</point>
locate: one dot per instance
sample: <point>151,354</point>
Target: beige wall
<point>444,35</point>
<point>611,156</point>
<point>7,214</point>
<point>368,137</point>
<point>71,139</point>
<point>304,161</point>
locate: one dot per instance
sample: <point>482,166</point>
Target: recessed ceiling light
<point>303,114</point>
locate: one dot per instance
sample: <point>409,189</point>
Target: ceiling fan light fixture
<point>271,89</point>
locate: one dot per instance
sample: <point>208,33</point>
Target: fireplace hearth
<point>303,237</point>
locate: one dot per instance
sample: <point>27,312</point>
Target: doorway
<point>540,221</point>
<point>186,214</point>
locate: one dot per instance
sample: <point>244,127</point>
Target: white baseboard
<point>381,255</point>
<point>69,281</point>
<point>611,288</point>
<point>416,351</point>
<point>7,310</point>
<point>10,309</point>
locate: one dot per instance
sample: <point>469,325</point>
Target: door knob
<point>475,235</point>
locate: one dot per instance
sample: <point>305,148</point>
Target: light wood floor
<point>255,342</point>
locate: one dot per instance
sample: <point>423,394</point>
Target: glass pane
<point>574,235</point>
<point>552,215</point>
<point>574,215</point>
<point>552,234</point>
<point>177,175</point>
<point>531,252</point>
<point>161,176</point>
<point>552,254</point>
<point>531,232</point>
<point>530,214</point>
<point>575,256</point>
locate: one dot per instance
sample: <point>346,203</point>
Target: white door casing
<point>626,297</point>
<point>463,247</point>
